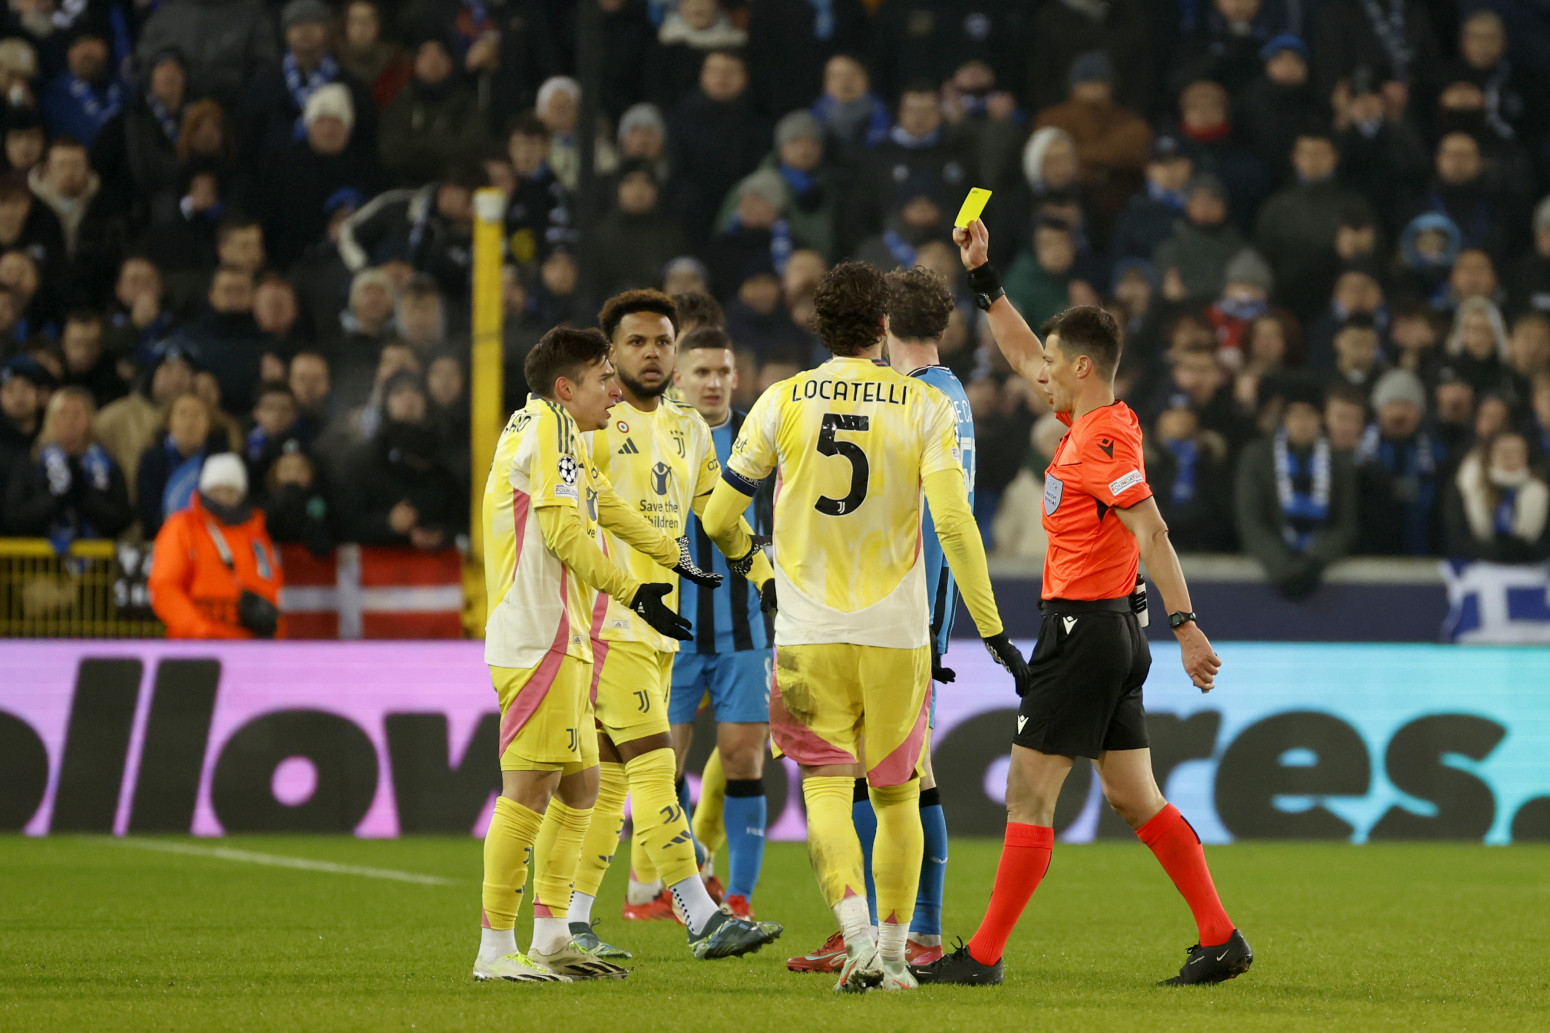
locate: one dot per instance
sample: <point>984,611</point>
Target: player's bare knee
<point>1136,805</point>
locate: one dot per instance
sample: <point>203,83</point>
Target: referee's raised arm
<point>1013,335</point>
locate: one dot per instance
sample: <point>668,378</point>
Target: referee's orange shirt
<point>1097,468</point>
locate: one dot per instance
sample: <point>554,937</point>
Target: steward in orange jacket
<point>214,572</point>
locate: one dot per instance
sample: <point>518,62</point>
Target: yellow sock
<point>832,844</point>
<point>508,844</point>
<point>557,854</point>
<point>708,828</point>
<point>660,824</point>
<point>602,838</point>
<point>897,849</point>
<point>642,867</point>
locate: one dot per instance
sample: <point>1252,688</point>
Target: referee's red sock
<point>1177,847</point>
<point>1024,860</point>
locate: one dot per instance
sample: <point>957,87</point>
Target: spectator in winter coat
<point>1296,228</point>
<point>28,224</point>
<point>637,239</point>
<point>814,195</point>
<point>226,339</point>
<point>303,175</point>
<point>717,137</point>
<point>1277,103</point>
<point>431,229</point>
<point>216,574</point>
<point>393,489</point>
<point>136,151</point>
<point>86,362</point>
<point>363,53</point>
<point>1477,352</point>
<point>24,388</point>
<point>687,34</point>
<point>273,102</point>
<point>127,427</point>
<point>791,43</point>
<point>1394,34</point>
<point>96,233</point>
<point>1148,217</point>
<point>295,500</point>
<point>433,120</point>
<point>71,489</point>
<point>80,100</point>
<point>1193,260</point>
<point>1499,508</point>
<point>1112,142</point>
<point>853,117</point>
<point>226,42</point>
<point>168,472</point>
<point>1123,29</point>
<point>1187,467</point>
<point>1210,138</point>
<point>1296,499</point>
<point>1399,466</point>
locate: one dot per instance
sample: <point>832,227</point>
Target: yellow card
<point>973,205</point>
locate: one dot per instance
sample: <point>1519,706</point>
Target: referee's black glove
<point>938,672</point>
<point>767,597</point>
<point>742,565</point>
<point>648,603</point>
<point>1007,656</point>
<point>685,568</point>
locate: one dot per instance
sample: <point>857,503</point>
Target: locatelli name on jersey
<point>851,391</point>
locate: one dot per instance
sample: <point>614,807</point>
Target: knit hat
<point>25,367</point>
<point>333,99</point>
<point>797,125</point>
<point>300,12</point>
<point>1034,150</point>
<point>1285,41</point>
<point>641,116</point>
<point>767,184</point>
<point>1399,385</point>
<point>1093,66</point>
<point>1247,267</point>
<point>224,470</point>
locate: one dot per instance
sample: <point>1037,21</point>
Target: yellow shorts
<point>828,697</point>
<point>546,715</point>
<point>630,691</point>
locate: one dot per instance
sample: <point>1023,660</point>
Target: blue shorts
<point>738,683</point>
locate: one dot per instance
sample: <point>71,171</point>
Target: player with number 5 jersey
<point>854,444</point>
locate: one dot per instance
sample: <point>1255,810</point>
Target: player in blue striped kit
<point>730,656</point>
<point>920,306</point>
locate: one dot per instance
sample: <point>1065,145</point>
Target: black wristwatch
<point>1179,618</point>
<point>984,301</point>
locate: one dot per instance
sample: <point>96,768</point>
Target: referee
<point>1091,660</point>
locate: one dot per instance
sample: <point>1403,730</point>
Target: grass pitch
<point>98,935</point>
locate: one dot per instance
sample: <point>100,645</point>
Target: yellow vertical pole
<point>485,387</point>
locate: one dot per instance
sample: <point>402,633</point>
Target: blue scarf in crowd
<point>164,118</point>
<point>70,525</point>
<point>1186,454</point>
<point>182,478</point>
<point>1302,486</point>
<point>1502,520</point>
<point>1413,464</point>
<point>303,87</point>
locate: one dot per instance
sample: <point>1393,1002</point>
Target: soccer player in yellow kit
<point>543,501</point>
<point>660,458</point>
<point>854,443</point>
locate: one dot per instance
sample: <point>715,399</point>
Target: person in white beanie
<point>215,573</point>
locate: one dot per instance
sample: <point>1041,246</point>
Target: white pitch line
<point>277,861</point>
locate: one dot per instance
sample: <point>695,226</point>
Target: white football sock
<point>890,940</point>
<point>854,921</point>
<point>497,943</point>
<point>697,906</point>
<point>550,934</point>
<point>580,907</point>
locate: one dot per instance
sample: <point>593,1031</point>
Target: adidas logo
<point>628,448</point>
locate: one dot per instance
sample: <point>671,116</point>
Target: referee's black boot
<point>1213,964</point>
<point>959,967</point>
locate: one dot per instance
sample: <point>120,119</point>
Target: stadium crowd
<point>231,225</point>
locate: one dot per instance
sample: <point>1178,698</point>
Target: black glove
<point>945,675</point>
<point>767,597</point>
<point>257,614</point>
<point>685,568</point>
<point>1007,656</point>
<point>742,566</point>
<point>648,603</point>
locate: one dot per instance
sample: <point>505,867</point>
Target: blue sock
<point>683,801</point>
<point>933,866</point>
<point>743,814</point>
<point>865,820</point>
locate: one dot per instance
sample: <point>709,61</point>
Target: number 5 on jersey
<point>860,469</point>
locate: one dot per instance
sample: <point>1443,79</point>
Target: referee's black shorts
<point>1088,668</point>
